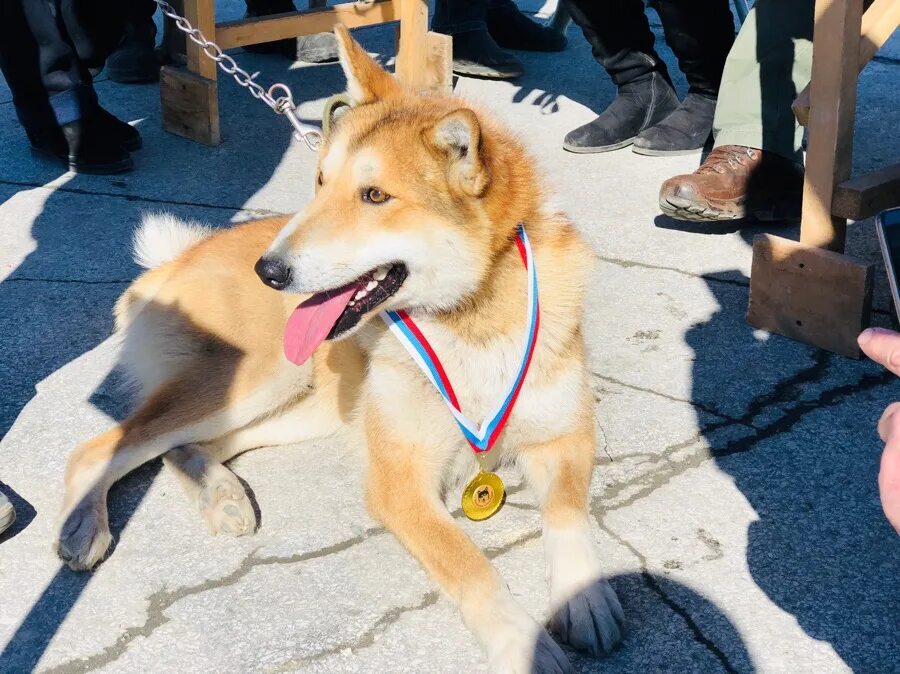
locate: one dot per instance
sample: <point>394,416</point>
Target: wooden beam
<point>867,195</point>
<point>284,26</point>
<point>202,15</point>
<point>440,62</point>
<point>878,24</point>
<point>190,105</point>
<point>833,95</point>
<point>412,56</point>
<point>809,294</point>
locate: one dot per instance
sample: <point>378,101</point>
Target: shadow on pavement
<point>821,548</point>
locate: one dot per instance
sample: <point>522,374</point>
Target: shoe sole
<point>685,210</point>
<point>664,153</point>
<point>485,73</point>
<point>577,149</point>
<point>98,170</point>
<point>7,517</point>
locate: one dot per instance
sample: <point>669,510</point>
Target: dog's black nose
<point>274,273</point>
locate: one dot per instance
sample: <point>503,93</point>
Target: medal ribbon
<point>404,328</point>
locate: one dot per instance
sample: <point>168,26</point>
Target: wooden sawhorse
<point>809,290</point>
<point>190,102</point>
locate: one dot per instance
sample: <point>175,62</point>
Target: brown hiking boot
<point>736,182</point>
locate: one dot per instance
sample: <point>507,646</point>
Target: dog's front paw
<point>84,537</point>
<point>225,505</point>
<point>590,620</point>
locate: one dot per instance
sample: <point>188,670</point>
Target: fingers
<point>889,482</point>
<point>889,424</point>
<point>882,346</point>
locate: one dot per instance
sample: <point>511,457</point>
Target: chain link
<point>283,104</point>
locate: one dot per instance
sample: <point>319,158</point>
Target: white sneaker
<point>7,513</point>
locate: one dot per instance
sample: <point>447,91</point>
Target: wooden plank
<point>202,15</point>
<point>440,62</point>
<point>190,105</point>
<point>813,295</point>
<point>833,96</point>
<point>283,26</point>
<point>412,60</point>
<point>867,195</point>
<point>878,24</point>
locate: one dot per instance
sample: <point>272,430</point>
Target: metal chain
<point>283,104</point>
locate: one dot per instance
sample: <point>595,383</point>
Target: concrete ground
<point>735,496</point>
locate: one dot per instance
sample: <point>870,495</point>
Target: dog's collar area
<point>374,288</point>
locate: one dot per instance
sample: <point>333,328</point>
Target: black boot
<point>685,131</point>
<point>123,133</point>
<point>513,30</point>
<point>637,106</point>
<point>257,8</point>
<point>476,54</point>
<point>85,146</point>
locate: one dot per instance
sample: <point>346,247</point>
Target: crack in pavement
<point>628,264</point>
<point>385,621</point>
<point>29,279</point>
<point>654,586</point>
<point>163,599</point>
<point>262,212</point>
<point>634,387</point>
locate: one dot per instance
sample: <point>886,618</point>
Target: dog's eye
<point>374,195</point>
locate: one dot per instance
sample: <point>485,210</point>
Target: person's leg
<point>48,72</point>
<point>511,29</point>
<point>700,33</point>
<point>134,61</point>
<point>622,42</point>
<point>475,52</point>
<point>755,169</point>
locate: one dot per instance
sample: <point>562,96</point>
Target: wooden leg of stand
<point>190,100</point>
<point>412,65</point>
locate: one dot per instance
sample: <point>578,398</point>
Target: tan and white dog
<point>417,208</point>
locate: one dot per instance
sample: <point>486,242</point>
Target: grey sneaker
<point>7,513</point>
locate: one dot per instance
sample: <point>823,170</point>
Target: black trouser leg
<point>459,16</point>
<point>700,33</point>
<point>620,37</point>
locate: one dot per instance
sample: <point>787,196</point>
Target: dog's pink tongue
<point>311,322</point>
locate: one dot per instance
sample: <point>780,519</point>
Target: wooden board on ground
<point>190,105</point>
<point>813,295</point>
<point>866,195</point>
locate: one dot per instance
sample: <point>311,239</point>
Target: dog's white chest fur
<point>481,376</point>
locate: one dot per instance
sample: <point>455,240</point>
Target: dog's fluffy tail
<point>162,237</point>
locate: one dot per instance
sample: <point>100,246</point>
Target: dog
<point>418,203</point>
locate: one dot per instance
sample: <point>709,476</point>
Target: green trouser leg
<point>767,67</point>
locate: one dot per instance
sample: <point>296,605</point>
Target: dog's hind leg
<point>201,404</point>
<point>584,609</point>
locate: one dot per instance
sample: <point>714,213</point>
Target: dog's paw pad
<point>591,620</point>
<point>226,507</point>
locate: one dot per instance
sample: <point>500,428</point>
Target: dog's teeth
<point>359,295</point>
<point>380,273</point>
<point>371,285</point>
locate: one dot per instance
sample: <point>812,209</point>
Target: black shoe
<point>513,30</point>
<point>476,54</point>
<point>135,62</point>
<point>86,146</point>
<point>685,131</point>
<point>318,48</point>
<point>257,8</point>
<point>638,106</point>
<point>128,138</point>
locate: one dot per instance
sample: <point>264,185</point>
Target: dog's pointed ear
<point>366,80</point>
<point>458,136</point>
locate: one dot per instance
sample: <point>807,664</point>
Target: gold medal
<point>483,496</point>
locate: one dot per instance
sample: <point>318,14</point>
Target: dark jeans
<point>460,16</point>
<point>700,33</point>
<point>47,48</point>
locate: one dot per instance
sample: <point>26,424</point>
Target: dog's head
<point>408,212</point>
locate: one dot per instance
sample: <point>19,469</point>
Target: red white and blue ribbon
<point>483,437</point>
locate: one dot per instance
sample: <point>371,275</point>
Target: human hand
<point>883,346</point>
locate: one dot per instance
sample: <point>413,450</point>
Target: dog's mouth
<point>331,313</point>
